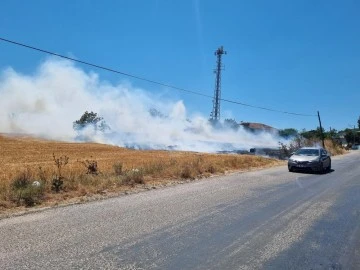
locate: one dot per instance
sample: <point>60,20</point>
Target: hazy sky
<point>297,56</point>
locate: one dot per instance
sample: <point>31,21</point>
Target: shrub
<point>30,196</point>
<point>22,180</point>
<point>23,190</point>
<point>134,176</point>
<point>118,168</point>
<point>186,172</point>
<point>57,184</point>
<point>334,148</point>
<point>91,166</point>
<point>60,163</point>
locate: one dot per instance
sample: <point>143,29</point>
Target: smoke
<point>47,102</point>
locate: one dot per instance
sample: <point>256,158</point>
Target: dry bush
<point>334,148</point>
<point>133,177</point>
<point>91,166</point>
<point>118,168</point>
<point>330,146</point>
<point>60,163</point>
<point>23,190</point>
<point>187,172</point>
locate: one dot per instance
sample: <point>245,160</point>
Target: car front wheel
<point>322,169</point>
<point>328,169</point>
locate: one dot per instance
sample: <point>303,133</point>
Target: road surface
<point>269,219</point>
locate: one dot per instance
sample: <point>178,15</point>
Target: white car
<point>310,159</point>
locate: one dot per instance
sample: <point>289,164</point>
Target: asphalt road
<point>269,219</point>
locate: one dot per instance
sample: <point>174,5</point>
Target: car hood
<point>304,158</point>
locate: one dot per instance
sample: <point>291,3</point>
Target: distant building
<point>340,139</point>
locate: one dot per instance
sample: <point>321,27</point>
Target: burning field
<point>139,138</point>
<point>36,171</point>
<point>134,140</point>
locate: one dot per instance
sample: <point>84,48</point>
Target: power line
<point>146,80</point>
<point>264,108</point>
<point>102,67</point>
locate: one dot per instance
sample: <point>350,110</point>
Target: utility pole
<point>354,136</point>
<point>215,114</point>
<point>321,131</point>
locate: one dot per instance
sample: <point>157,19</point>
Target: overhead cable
<point>147,80</point>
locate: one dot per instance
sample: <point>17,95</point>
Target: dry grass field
<point>73,170</point>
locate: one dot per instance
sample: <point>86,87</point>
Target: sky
<point>294,56</point>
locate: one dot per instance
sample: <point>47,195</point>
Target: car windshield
<point>307,152</point>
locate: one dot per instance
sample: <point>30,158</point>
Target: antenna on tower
<point>215,114</point>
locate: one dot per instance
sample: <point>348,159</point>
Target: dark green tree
<point>288,133</point>
<point>313,134</point>
<point>90,119</point>
<point>352,136</point>
<point>331,134</point>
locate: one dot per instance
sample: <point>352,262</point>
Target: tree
<point>156,114</point>
<point>288,133</point>
<point>309,134</point>
<point>359,122</point>
<point>331,134</point>
<point>351,136</point>
<point>90,119</point>
<point>313,134</point>
<point>231,123</point>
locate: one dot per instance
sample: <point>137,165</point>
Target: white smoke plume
<point>46,104</point>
